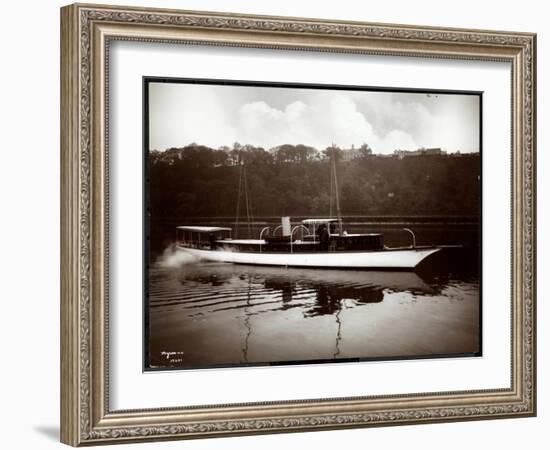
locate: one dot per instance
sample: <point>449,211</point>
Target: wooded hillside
<point>197,181</point>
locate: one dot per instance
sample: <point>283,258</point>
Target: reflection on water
<point>211,314</point>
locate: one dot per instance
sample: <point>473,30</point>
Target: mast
<point>247,204</point>
<point>338,212</point>
<point>238,200</point>
<point>243,189</point>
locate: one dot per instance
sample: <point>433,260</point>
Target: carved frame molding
<point>86,31</point>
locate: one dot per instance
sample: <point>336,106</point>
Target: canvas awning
<point>315,221</point>
<point>198,229</point>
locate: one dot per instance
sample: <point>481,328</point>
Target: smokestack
<point>285,221</point>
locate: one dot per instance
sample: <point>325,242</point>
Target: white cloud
<point>327,118</point>
<point>396,139</point>
<point>268,117</point>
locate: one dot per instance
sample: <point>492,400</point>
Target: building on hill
<point>434,151</point>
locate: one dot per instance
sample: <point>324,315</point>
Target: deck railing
<point>297,227</point>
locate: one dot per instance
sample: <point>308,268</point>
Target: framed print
<point>277,224</point>
<point>266,256</point>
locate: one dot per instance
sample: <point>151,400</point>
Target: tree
<point>333,152</point>
<point>294,179</point>
<point>365,150</point>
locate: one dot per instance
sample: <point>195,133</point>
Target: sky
<point>218,115</point>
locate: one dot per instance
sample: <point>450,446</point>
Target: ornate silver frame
<point>86,31</point>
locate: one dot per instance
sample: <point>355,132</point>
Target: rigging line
<point>238,202</point>
<point>250,206</point>
<point>247,203</point>
<point>338,212</point>
<point>331,189</point>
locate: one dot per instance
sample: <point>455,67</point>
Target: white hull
<point>384,259</point>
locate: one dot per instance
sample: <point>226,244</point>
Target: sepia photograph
<point>309,224</point>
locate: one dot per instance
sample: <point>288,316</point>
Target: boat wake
<point>173,257</point>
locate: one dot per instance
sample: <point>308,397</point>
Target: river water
<point>202,314</point>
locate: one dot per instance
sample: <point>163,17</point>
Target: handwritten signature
<point>169,355</point>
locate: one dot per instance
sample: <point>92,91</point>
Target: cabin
<point>311,235</point>
<point>317,226</point>
<point>205,238</point>
<point>327,233</point>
